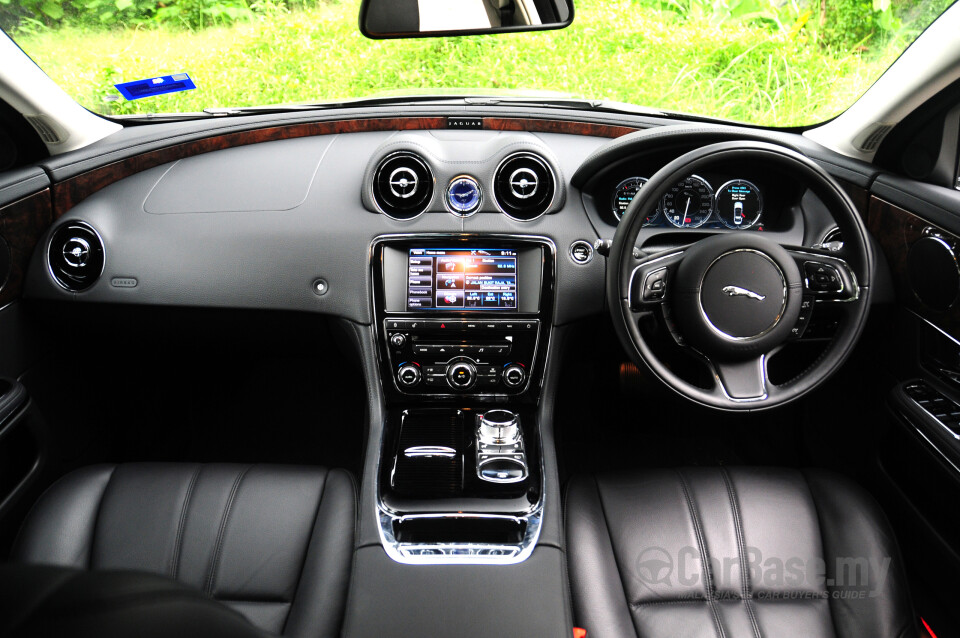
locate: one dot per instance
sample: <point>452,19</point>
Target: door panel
<point>918,465</point>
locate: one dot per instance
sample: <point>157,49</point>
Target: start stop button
<point>581,252</point>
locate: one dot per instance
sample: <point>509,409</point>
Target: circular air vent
<point>524,186</point>
<point>402,185</point>
<point>75,256</point>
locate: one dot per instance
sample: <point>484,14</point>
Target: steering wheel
<point>736,299</point>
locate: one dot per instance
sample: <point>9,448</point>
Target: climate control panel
<point>460,356</point>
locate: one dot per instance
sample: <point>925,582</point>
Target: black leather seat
<point>821,559</point>
<point>275,543</point>
<point>43,600</point>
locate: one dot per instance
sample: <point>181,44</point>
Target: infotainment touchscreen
<point>462,279</point>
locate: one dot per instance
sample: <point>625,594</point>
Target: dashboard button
<point>581,252</point>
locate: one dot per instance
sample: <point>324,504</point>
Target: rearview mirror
<point>381,19</point>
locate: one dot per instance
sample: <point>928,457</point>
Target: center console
<point>462,324</point>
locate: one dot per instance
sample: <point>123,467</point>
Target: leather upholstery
<point>42,600</point>
<point>821,560</point>
<point>275,543</point>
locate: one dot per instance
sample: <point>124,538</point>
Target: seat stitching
<point>787,596</point>
<point>218,547</point>
<point>306,550</point>
<point>741,550</point>
<point>178,544</point>
<point>704,554</point>
<point>616,563</point>
<point>96,517</point>
<point>823,548</point>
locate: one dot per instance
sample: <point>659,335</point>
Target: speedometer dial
<point>739,204</point>
<point>624,194</point>
<point>689,203</point>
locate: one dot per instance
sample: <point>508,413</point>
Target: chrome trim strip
<point>420,451</point>
<point>933,445</point>
<point>934,326</point>
<point>460,553</point>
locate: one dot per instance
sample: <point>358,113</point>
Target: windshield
<point>767,62</point>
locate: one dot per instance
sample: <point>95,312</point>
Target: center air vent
<point>524,186</point>
<point>75,256</point>
<point>403,185</point>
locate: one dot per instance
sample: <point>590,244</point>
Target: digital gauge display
<point>624,194</point>
<point>739,204</point>
<point>688,203</point>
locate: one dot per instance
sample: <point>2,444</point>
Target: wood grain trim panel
<point>70,192</point>
<point>556,126</point>
<point>858,195</point>
<point>22,223</point>
<point>896,229</point>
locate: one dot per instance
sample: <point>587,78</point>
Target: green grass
<point>617,50</point>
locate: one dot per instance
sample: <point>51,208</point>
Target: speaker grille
<point>75,256</point>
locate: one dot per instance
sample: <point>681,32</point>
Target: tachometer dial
<point>739,204</point>
<point>689,203</point>
<point>624,194</point>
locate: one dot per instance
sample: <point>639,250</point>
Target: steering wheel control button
<point>803,320</point>
<point>822,277</point>
<point>409,375</point>
<point>743,294</point>
<point>320,287</point>
<point>581,252</point>
<point>655,286</point>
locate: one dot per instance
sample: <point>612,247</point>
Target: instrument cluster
<point>694,202</point>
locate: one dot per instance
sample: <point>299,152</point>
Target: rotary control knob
<point>499,427</point>
<point>398,340</point>
<point>409,375</point>
<point>514,375</point>
<point>461,375</point>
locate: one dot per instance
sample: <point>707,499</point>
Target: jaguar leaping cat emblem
<point>737,291</point>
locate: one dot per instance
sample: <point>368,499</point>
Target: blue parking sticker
<point>156,86</point>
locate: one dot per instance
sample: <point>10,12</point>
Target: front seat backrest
<point>273,542</point>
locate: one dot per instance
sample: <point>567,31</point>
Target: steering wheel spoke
<point>742,381</point>
<point>826,277</point>
<point>650,280</point>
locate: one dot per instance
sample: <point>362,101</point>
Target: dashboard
<point>289,224</point>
